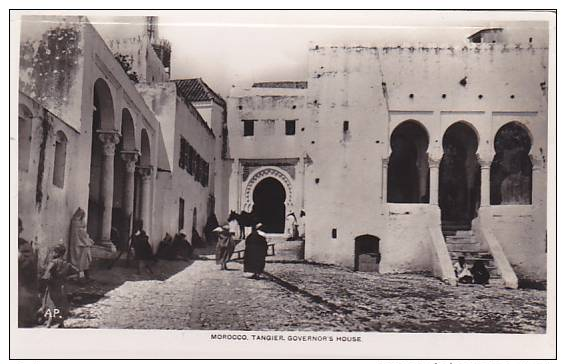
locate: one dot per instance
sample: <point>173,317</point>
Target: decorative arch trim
<point>259,175</point>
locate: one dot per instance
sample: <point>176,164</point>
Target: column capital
<point>536,162</point>
<point>109,139</point>
<point>385,161</point>
<point>434,162</point>
<point>130,157</point>
<point>484,160</point>
<point>145,172</point>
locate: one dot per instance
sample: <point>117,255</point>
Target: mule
<point>243,219</point>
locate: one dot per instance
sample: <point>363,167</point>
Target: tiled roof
<point>195,89</point>
<point>282,84</point>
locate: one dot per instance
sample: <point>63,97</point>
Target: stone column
<point>109,140</point>
<point>384,165</point>
<point>130,157</point>
<point>146,173</point>
<point>434,166</point>
<point>485,166</point>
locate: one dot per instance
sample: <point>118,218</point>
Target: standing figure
<point>80,244</point>
<point>255,252</point>
<point>292,227</point>
<point>142,249</point>
<point>224,246</point>
<point>28,299</point>
<point>462,271</point>
<point>55,306</point>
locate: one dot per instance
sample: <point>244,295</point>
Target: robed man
<point>255,252</point>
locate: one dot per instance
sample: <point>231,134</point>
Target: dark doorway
<point>269,205</point>
<point>367,253</point>
<point>511,169</point>
<point>459,185</point>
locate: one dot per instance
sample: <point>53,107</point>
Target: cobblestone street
<point>297,296</point>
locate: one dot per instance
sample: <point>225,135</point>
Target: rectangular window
<point>60,160</point>
<point>182,150</point>
<point>249,127</point>
<point>181,213</point>
<point>289,127</point>
<point>190,161</point>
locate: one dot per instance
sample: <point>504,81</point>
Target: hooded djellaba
<point>225,246</point>
<point>80,244</point>
<point>255,252</point>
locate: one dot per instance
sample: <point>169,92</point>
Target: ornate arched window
<point>407,172</point>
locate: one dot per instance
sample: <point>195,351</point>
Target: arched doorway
<point>102,119</point>
<point>459,184</point>
<point>269,205</point>
<point>407,172</point>
<point>511,170</point>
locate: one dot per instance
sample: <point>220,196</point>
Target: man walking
<point>255,252</point>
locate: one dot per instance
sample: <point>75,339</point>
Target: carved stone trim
<point>130,157</point>
<point>145,172</point>
<point>433,162</point>
<point>537,163</point>
<point>261,174</point>
<point>109,139</point>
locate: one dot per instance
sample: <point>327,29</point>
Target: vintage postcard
<point>283,184</point>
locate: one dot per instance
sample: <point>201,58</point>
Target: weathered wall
<point>46,209</point>
<point>376,89</point>
<point>263,104</point>
<point>343,183</point>
<point>52,64</point>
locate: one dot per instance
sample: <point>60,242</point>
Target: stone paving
<point>311,297</point>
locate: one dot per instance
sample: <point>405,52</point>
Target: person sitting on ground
<point>165,249</point>
<point>143,252</point>
<point>224,246</point>
<point>462,271</point>
<point>182,248</point>
<point>55,306</point>
<point>480,273</point>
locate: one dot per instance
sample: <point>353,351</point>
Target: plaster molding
<point>265,172</point>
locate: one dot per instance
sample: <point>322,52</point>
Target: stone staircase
<point>461,241</point>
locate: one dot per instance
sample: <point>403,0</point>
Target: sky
<point>241,47</point>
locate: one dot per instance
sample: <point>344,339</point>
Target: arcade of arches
<point>455,182</point>
<point>117,194</point>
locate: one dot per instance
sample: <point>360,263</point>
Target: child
<point>55,306</point>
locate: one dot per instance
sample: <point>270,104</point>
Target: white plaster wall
<point>262,104</point>
<point>370,88</point>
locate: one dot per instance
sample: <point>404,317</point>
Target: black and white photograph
<point>308,180</point>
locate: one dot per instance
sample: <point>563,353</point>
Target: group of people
<point>254,253</point>
<point>477,274</point>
